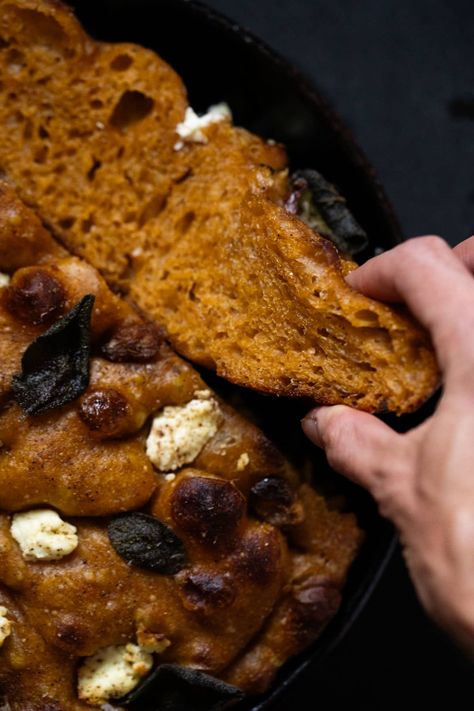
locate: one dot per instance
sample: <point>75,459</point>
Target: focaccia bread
<point>148,532</point>
<point>187,216</point>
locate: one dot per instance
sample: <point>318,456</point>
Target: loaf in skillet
<point>148,532</point>
<point>187,216</point>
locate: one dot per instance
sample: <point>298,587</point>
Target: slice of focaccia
<point>152,540</point>
<point>187,216</point>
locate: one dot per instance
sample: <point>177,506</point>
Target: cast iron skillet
<point>219,61</point>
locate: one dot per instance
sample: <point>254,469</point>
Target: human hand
<point>422,480</point>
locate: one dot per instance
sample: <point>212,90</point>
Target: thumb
<point>357,444</point>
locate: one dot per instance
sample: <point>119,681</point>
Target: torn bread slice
<point>187,216</point>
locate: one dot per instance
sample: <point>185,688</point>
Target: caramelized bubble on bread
<point>187,216</point>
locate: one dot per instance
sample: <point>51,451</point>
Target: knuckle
<point>430,243</point>
<point>393,491</point>
<point>425,247</point>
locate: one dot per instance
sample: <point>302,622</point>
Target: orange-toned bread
<point>265,557</point>
<point>196,233</point>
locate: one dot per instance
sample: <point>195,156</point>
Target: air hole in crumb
<point>121,62</point>
<point>316,293</point>
<point>366,367</point>
<point>186,221</point>
<point>67,222</point>
<point>130,216</point>
<point>133,106</point>
<point>366,315</point>
<point>154,207</point>
<point>96,104</point>
<point>27,130</point>
<point>42,132</point>
<point>87,225</point>
<point>96,163</point>
<point>192,293</point>
<point>40,155</point>
<point>40,28</point>
<point>15,61</point>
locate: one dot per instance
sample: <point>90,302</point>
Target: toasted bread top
<point>194,232</point>
<point>260,544</point>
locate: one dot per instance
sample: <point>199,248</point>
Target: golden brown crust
<point>239,590</point>
<point>198,237</point>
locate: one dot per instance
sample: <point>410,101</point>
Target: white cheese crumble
<point>5,625</point>
<point>112,672</point>
<point>191,129</point>
<point>4,279</point>
<point>43,535</point>
<point>202,394</point>
<point>179,433</point>
<point>243,461</point>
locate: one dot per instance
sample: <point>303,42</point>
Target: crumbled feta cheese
<point>202,394</point>
<point>180,432</point>
<point>112,672</point>
<point>243,461</point>
<point>4,279</point>
<point>191,129</point>
<point>5,625</point>
<point>43,535</point>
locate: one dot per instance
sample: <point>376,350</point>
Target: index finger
<point>425,274</point>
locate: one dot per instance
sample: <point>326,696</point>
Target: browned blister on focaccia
<point>195,232</point>
<point>255,543</point>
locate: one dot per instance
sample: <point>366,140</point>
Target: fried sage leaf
<point>317,202</point>
<point>146,542</point>
<point>174,688</point>
<point>55,367</point>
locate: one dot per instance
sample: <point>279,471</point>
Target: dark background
<point>401,75</point>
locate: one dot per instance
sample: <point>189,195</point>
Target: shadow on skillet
<point>219,61</point>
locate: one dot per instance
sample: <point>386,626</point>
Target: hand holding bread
<point>422,480</point>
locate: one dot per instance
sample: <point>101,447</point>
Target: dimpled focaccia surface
<point>198,236</point>
<point>262,575</point>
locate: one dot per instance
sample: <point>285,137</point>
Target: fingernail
<point>311,428</point>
